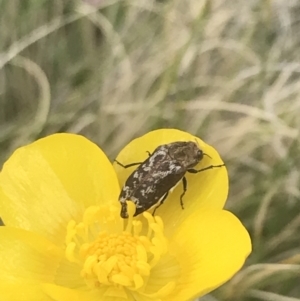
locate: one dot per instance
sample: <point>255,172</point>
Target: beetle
<point>149,184</point>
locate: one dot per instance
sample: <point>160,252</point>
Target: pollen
<point>114,253</point>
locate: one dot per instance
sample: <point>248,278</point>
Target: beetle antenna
<point>207,155</point>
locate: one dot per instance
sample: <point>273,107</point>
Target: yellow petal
<point>29,263</point>
<point>205,189</point>
<point>28,256</point>
<point>163,276</point>
<point>47,183</point>
<point>68,274</point>
<point>211,246</point>
<point>21,290</point>
<point>59,293</point>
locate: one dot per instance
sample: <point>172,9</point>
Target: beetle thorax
<point>186,153</point>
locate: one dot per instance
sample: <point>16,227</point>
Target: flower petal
<point>47,183</point>
<point>163,275</point>
<point>27,255</point>
<point>211,247</point>
<point>60,293</point>
<point>29,259</point>
<point>68,275</point>
<point>22,291</point>
<point>210,187</point>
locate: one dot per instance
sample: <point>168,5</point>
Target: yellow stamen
<point>111,257</point>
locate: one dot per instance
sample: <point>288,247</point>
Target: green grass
<point>227,71</point>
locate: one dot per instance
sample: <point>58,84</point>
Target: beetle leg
<point>184,183</point>
<point>128,165</point>
<point>160,202</point>
<point>132,164</point>
<point>192,170</point>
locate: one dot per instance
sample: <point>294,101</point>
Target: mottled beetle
<point>151,182</point>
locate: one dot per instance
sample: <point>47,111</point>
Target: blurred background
<point>226,71</point>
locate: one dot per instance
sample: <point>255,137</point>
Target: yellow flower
<point>64,238</point>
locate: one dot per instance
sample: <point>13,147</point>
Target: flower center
<point>111,254</point>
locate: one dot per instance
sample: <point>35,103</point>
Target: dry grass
<point>228,71</point>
